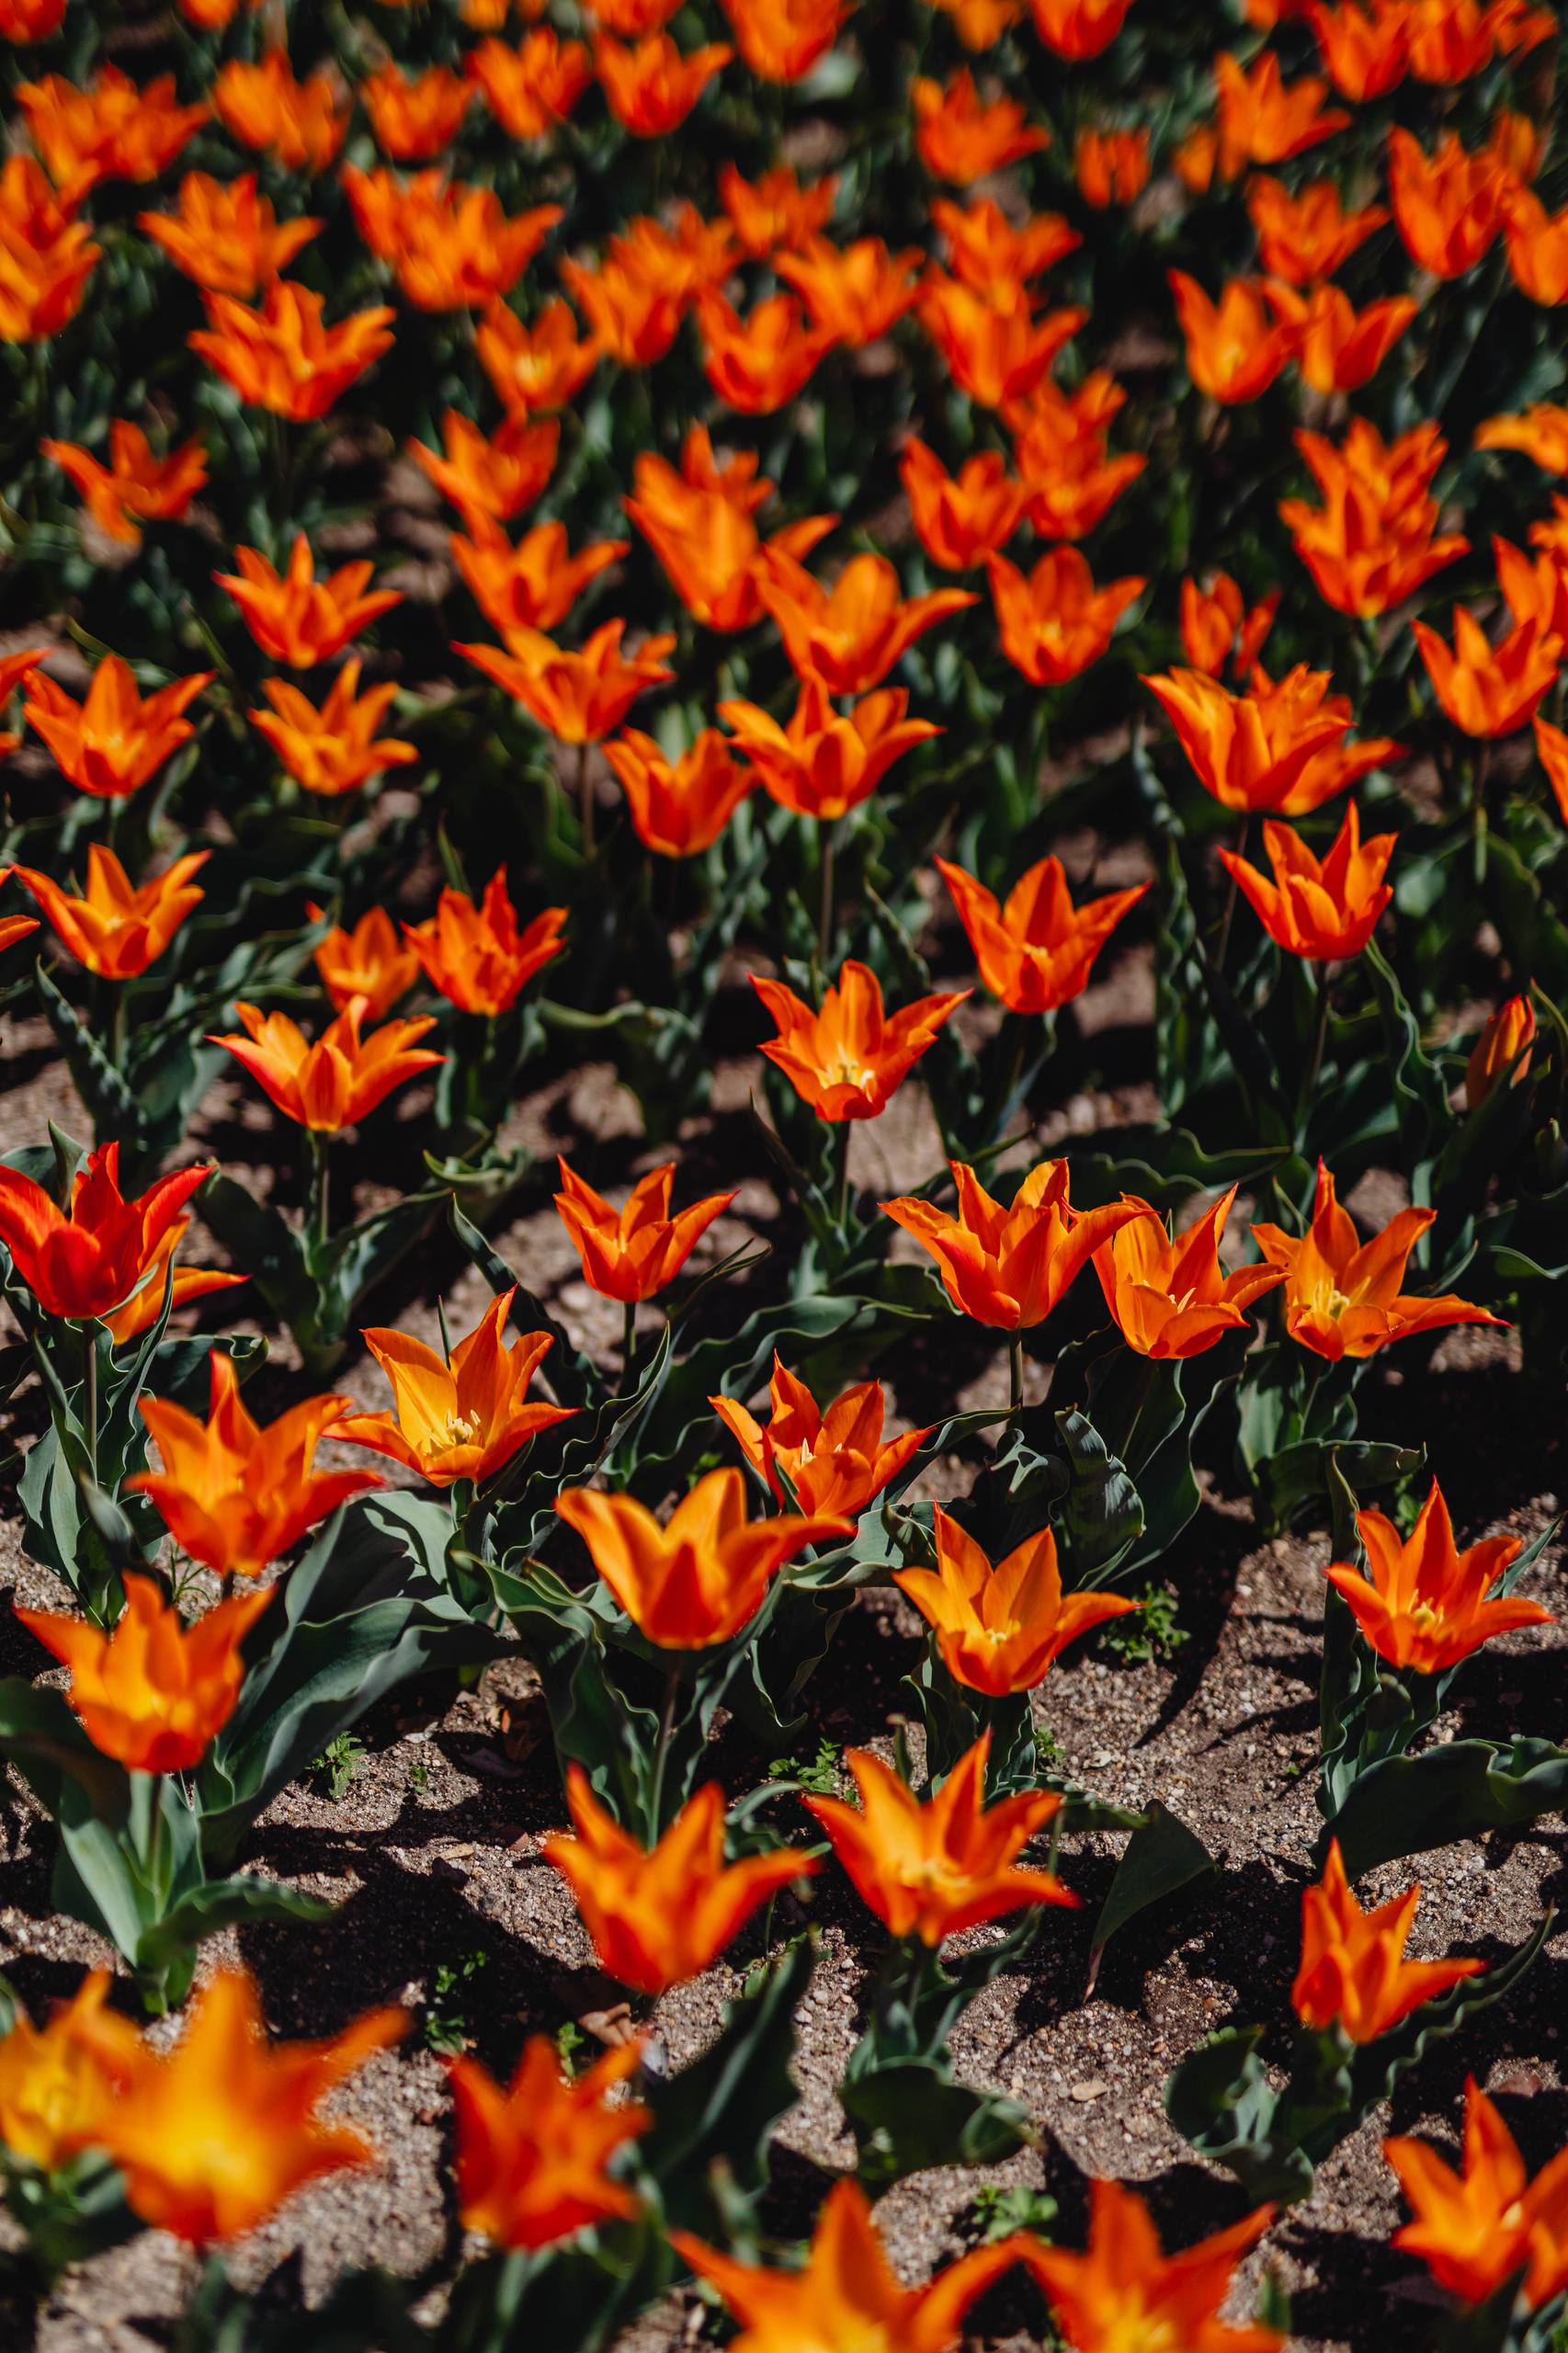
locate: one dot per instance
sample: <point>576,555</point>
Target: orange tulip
<point>530,2160</point>
<point>703,1576</point>
<point>1366,49</point>
<point>1475,2228</point>
<point>575,697</point>
<point>989,257</point>
<point>1353,1973</point>
<point>116,130</point>
<point>1538,248</point>
<point>334,749</point>
<point>1541,432</point>
<point>88,1258</point>
<point>1535,590</point>
<point>1059,448</point>
<point>1122,2292</point>
<point>847,2294</point>
<point>774,211</point>
<point>370,961</point>
<point>476,956</point>
<point>1489,690</point>
<point>234,1495</point>
<point>414,119</point>
<point>1111,166</point>
<point>999,1629</point>
<point>962,140</point>
<point>823,763</point>
<point>1056,623</point>
<point>450,246</point>
<point>854,293</point>
<point>1318,910</point>
<point>835,1462</point>
<point>490,480</point>
<point>1422,1603</point>
<point>994,350</point>
<point>460,1417</point>
<point>22,21</point>
<point>531,586</point>
<point>1193,160</point>
<point>212,2136</point>
<point>1009,1268</point>
<point>780,40</point>
<point>115,930</point>
<point>1551,750</point>
<point>59,2082</point>
<point>1342,1295</point>
<point>46,256</point>
<point>1234,347</point>
<point>848,1060</point>
<point>1450,40</point>
<point>225,236</point>
<point>850,636</point>
<point>934,1870</point>
<point>630,1255</point>
<point>1448,207</point>
<point>1078,29</point>
<point>339,1080</point>
<point>650,87</point>
<point>155,1693</point>
<point>1255,750</point>
<point>1501,1048</point>
<point>660,1916</point>
<point>300,124</point>
<point>1308,236</point>
<point>1261,121</point>
<point>145,1304</point>
<point>1339,347</point>
<point>1371,544</point>
<point>282,357</point>
<point>1216,626</point>
<point>14,668</point>
<point>1037,950</point>
<point>634,307</point>
<point>679,807</point>
<point>699,523</point>
<point>961,520</point>
<point>112,742</point>
<point>537,368</point>
<point>135,486</point>
<point>532,87</point>
<point>756,364</point>
<point>1168,1296</point>
<point>297,618</point>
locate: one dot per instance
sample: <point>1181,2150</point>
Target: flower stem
<point>585,802</point>
<point>629,1347</point>
<point>1239,848</point>
<point>825,906</point>
<point>1016,1372</point>
<point>90,1391</point>
<point>1323,974</point>
<point>321,1187</point>
<point>660,1756</point>
<point>843,1173</point>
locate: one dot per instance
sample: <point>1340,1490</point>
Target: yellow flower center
<point>464,1429</point>
<point>845,1069</point>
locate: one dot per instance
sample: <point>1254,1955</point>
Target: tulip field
<point>783,1183</point>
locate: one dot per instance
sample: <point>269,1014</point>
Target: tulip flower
<point>855,293</point>
<point>490,480</point>
<point>59,2082</point>
<point>46,255</point>
<point>773,209</point>
<point>1037,950</point>
<point>282,357</point>
<point>1352,1974</point>
<point>993,351</point>
<point>1539,431</point>
<point>1309,235</point>
<point>1216,626</point>
<point>1502,1047</point>
<point>476,956</point>
<point>1535,590</point>
<point>531,2160</point>
<point>1194,158</point>
<point>823,763</point>
<point>1252,750</point>
<point>135,487</point>
<point>650,87</point>
<point>1371,544</point>
<point>83,1261</point>
<point>1338,348</point>
<point>660,1916</point>
<point>145,1304</point>
<point>932,1870</point>
<point>338,1081</point>
<point>679,808</point>
<point>1422,1603</point>
<point>703,1576</point>
<point>847,2294</point>
<point>780,40</point>
<point>1475,2228</point>
<point>1551,750</point>
<point>115,930</point>
<point>234,1495</point>
<point>117,130</point>
<point>451,246</point>
<point>1060,449</point>
<point>756,364</point>
<point>634,310</point>
<point>415,118</point>
<point>370,961</point>
<point>297,618</point>
<point>1111,166</point>
<point>538,367</point>
<point>999,1629</point>
<point>110,743</point>
<point>850,636</point>
<point>1449,207</point>
<point>22,21</point>
<point>1078,29</point>
<point>1056,623</point>
<point>1168,1296</point>
<point>460,1417</point>
<point>1365,47</point>
<point>333,750</point>
<point>532,586</point>
<point>1261,121</point>
<point>1321,909</point>
<point>699,524</point>
<point>1009,1268</point>
<point>1122,2292</point>
<point>1342,1295</point>
<point>834,1462</point>
<point>1538,249</point>
<point>992,258</point>
<point>961,520</point>
<point>532,87</point>
<point>1234,347</point>
<point>300,124</point>
<point>575,697</point>
<point>1490,691</point>
<point>633,1254</point>
<point>962,140</point>
<point>213,2134</point>
<point>848,1060</point>
<point>155,1693</point>
<point>225,236</point>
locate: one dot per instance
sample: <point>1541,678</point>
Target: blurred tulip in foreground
<point>1476,2227</point>
<point>1122,2292</point>
<point>532,2159</point>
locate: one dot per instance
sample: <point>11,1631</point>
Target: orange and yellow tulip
<point>631,1253</point>
<point>339,1080</point>
<point>1353,1973</point>
<point>1122,2292</point>
<point>59,2082</point>
<point>1035,950</point>
<point>1538,249</point>
<point>1539,431</point>
<point>46,255</point>
<point>960,518</point>
<point>780,40</point>
<point>1262,120</point>
<point>225,236</point>
<point>774,211</point>
<point>649,86</point>
<point>660,1916</point>
<point>283,357</point>
<point>135,487</point>
<point>1422,1603</point>
<point>490,480</point>
<point>931,1870</point>
<point>698,522</point>
<point>1448,207</point>
<point>1489,690</point>
<point>1060,449</point>
<point>538,367</point>
<point>1168,1295</point>
<point>959,139</point>
<point>834,1461</point>
<point>1365,48</point>
<point>532,87</point>
<point>114,929</point>
<point>1535,588</point>
<point>532,2161</point>
<point>825,763</point>
<point>370,961</point>
<point>460,1417</point>
<point>117,130</point>
<point>450,246</point>
<point>577,697</point>
<point>1309,235</point>
<point>297,618</point>
<point>300,124</point>
<point>758,364</point>
<point>999,1628</point>
<point>155,1693</point>
<point>333,748</point>
<point>994,258</point>
<point>1502,1047</point>
<point>847,1060</point>
<point>1056,623</point>
<point>1217,627</point>
<point>679,807</point>
<point>994,349</point>
<point>109,743</point>
<point>1476,2227</point>
<point>1318,909</point>
<point>1078,29</point>
<point>415,116</point>
<point>476,956</point>
<point>1010,1268</point>
<point>1255,750</point>
<point>1342,1295</point>
<point>1373,543</point>
<point>850,636</point>
<point>145,1304</point>
<point>854,293</point>
<point>85,1260</point>
<point>532,585</point>
<point>634,303</point>
<point>1338,348</point>
<point>1111,166</point>
<point>1235,347</point>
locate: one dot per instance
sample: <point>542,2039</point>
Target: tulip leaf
<point>909,2116</point>
<point>1162,1855</point>
<point>1407,1805</point>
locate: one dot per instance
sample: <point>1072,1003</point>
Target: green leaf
<point>1407,1805</point>
<point>910,2115</point>
<point>1162,1855</point>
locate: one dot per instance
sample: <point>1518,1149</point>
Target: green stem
<point>661,1754</point>
<point>629,1347</point>
<point>1238,848</point>
<point>585,802</point>
<point>825,906</point>
<point>1478,817</point>
<point>321,1185</point>
<point>1323,974</point>
<point>848,1127</point>
<point>1016,1372</point>
<point>510,2288</point>
<point>90,1388</point>
<point>116,1024</point>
